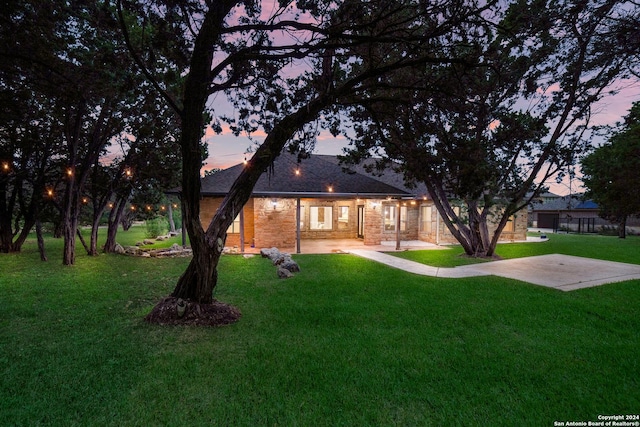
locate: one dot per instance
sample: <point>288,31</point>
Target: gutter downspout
<point>437,227</point>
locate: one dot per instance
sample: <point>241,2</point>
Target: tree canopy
<point>610,172</point>
<point>509,112</point>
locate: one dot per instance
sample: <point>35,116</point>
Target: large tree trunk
<point>95,224</point>
<point>41,250</point>
<point>622,228</point>
<point>114,220</point>
<point>172,223</point>
<point>200,278</point>
<point>70,223</point>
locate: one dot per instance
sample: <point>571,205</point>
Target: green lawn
<point>345,342</point>
<point>591,246</point>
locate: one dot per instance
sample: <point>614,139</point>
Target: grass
<point>591,246</point>
<point>346,342</point>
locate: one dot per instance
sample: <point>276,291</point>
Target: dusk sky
<point>226,150</point>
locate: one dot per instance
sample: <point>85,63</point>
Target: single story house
<point>315,198</point>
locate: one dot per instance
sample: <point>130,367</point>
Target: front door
<point>360,221</point>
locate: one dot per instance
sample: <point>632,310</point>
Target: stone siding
<point>272,222</point>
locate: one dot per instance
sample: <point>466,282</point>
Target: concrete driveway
<point>563,272</point>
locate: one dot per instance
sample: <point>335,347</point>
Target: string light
<point>50,192</point>
<point>297,171</point>
<point>69,172</point>
<point>5,166</point>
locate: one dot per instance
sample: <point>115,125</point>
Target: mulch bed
<point>194,314</point>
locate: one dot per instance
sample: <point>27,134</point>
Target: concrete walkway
<point>563,272</point>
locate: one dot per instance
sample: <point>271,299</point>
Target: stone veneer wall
<point>268,226</point>
<point>208,208</point>
<point>274,225</point>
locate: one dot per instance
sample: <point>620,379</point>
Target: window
<point>321,218</point>
<point>343,214</point>
<point>426,218</point>
<point>301,217</point>
<point>234,228</point>
<point>511,224</point>
<point>389,214</point>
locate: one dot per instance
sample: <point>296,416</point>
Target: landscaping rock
<point>119,249</point>
<point>283,273</point>
<point>286,265</point>
<point>271,253</point>
<point>132,250</point>
<point>148,242</point>
<point>291,266</point>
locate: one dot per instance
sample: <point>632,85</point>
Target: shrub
<point>156,227</point>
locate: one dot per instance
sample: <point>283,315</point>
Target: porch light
<point>274,203</point>
<point>374,204</point>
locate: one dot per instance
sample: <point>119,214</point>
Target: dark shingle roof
<point>565,203</point>
<point>317,174</point>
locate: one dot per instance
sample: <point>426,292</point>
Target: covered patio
<point>332,246</point>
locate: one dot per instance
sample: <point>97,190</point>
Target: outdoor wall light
<point>374,204</point>
<point>274,203</point>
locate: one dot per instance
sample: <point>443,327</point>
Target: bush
<point>156,227</point>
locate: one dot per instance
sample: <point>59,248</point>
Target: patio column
<point>298,225</point>
<point>242,230</point>
<point>398,226</point>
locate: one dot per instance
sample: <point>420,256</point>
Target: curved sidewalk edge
<point>563,272</point>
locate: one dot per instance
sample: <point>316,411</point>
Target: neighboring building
<point>565,213</point>
<point>571,213</point>
<point>317,199</point>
